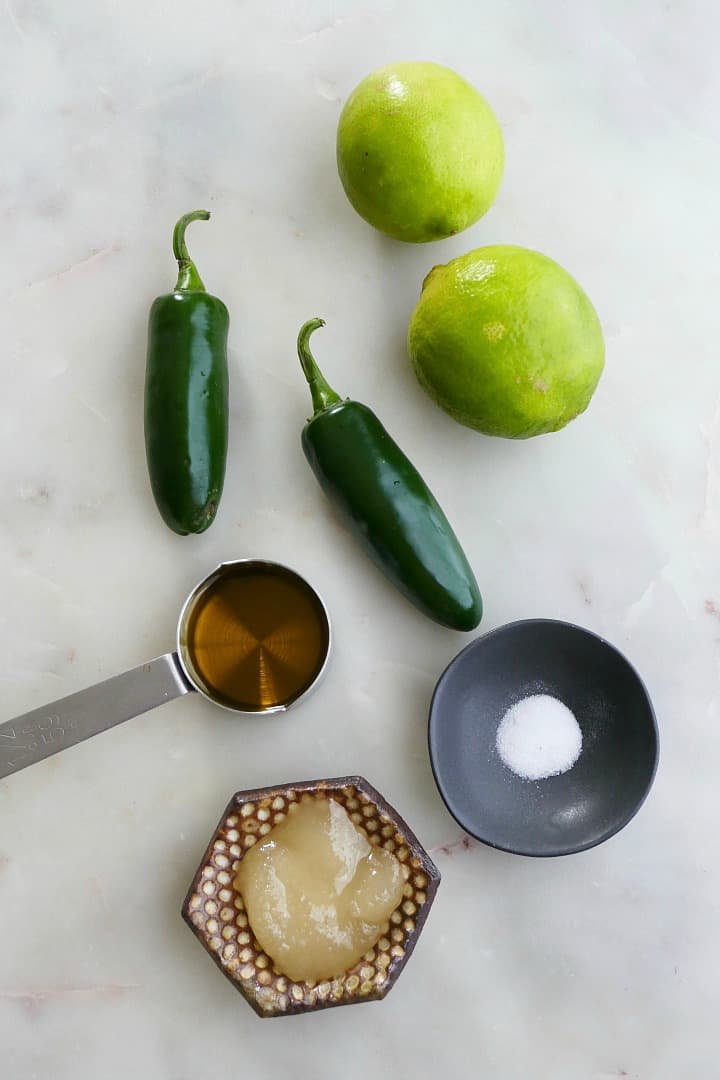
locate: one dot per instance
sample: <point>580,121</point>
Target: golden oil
<point>256,637</point>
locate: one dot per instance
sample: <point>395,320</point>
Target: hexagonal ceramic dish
<point>215,911</point>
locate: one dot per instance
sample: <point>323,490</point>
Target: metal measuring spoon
<point>252,637</point>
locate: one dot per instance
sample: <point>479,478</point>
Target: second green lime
<point>419,151</point>
<point>506,342</point>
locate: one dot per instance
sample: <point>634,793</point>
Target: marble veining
<point>114,120</point>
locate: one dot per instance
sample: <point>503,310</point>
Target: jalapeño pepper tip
<point>188,277</point>
<point>323,396</point>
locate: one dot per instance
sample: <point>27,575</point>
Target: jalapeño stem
<point>323,396</point>
<point>188,277</point>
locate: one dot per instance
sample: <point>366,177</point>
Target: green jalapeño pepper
<point>186,396</point>
<point>384,501</point>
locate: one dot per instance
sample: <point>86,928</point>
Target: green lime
<point>419,151</point>
<point>506,342</point>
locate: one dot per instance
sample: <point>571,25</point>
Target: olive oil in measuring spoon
<point>256,637</point>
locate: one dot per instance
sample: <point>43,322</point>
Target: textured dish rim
<point>328,784</point>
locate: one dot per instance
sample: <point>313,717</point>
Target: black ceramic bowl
<point>561,814</point>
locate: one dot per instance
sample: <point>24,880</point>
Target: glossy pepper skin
<point>186,396</point>
<point>384,501</point>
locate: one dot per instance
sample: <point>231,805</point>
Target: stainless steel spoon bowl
<point>37,735</point>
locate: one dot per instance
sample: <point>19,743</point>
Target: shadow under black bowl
<point>561,814</point>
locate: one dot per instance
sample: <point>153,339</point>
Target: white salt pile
<point>539,737</point>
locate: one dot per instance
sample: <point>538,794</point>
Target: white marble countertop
<point>115,119</point>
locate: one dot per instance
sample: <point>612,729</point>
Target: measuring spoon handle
<point>39,734</point>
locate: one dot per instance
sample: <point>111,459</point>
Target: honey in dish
<point>317,894</point>
<point>256,638</point>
